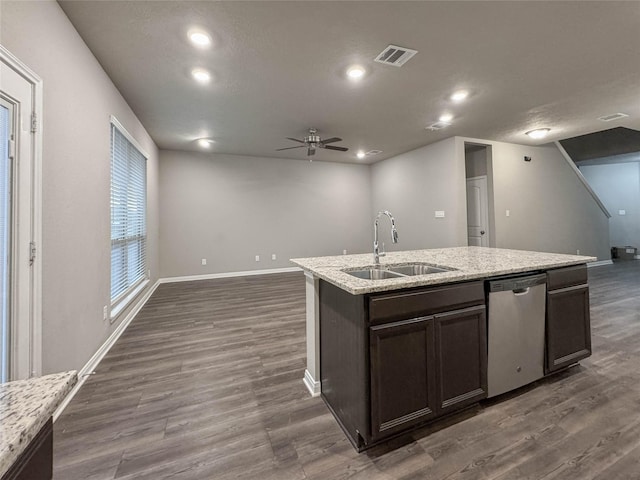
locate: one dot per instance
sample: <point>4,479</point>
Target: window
<point>128,216</point>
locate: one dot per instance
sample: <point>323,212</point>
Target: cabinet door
<point>402,375</point>
<point>568,327</point>
<point>461,358</point>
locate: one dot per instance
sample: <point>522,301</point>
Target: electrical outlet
<point>257,258</point>
<point>105,312</point>
<point>273,256</point>
<point>439,213</point>
<point>204,261</point>
<point>508,213</point>
<point>578,252</point>
<point>344,252</point>
<point>622,212</point>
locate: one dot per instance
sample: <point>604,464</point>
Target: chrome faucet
<point>394,236</point>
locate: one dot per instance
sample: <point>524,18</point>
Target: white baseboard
<point>313,386</point>
<point>93,362</point>
<point>246,273</point>
<point>600,263</point>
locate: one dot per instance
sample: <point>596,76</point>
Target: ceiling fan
<point>313,141</point>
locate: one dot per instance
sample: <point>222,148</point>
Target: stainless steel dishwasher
<point>516,320</point>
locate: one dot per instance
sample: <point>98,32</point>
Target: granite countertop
<point>25,406</point>
<point>470,263</point>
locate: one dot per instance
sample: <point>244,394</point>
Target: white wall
<point>78,101</point>
<point>412,186</point>
<point>229,208</point>
<point>618,186</point>
<point>550,209</point>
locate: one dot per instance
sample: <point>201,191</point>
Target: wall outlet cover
<point>257,258</point>
<point>273,256</point>
<point>439,213</point>
<point>204,261</point>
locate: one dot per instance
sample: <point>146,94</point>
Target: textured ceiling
<point>279,69</point>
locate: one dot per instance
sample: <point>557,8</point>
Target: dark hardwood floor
<point>206,383</point>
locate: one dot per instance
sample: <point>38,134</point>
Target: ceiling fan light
<point>538,133</point>
<point>360,154</point>
<point>445,118</point>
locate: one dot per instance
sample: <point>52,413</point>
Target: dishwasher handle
<point>521,291</point>
<point>516,283</point>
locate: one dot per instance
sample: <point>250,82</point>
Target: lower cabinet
<point>568,326</point>
<point>461,357</point>
<point>36,460</point>
<point>425,367</point>
<point>403,384</point>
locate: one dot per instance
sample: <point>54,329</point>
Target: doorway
<point>20,269</point>
<point>480,231</point>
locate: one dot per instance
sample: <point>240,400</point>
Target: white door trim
<point>6,57</point>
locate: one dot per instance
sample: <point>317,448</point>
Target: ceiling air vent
<point>396,56</point>
<point>373,152</point>
<point>613,116</point>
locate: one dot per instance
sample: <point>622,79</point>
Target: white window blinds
<point>128,215</point>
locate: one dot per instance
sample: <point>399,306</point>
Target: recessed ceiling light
<point>199,38</point>
<point>459,96</point>
<point>201,75</point>
<point>360,154</point>
<point>205,142</point>
<point>355,72</point>
<point>538,133</point>
<point>446,118</point>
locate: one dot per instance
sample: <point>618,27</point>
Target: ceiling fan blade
<point>295,140</point>
<point>341,149</point>
<point>289,148</point>
<point>331,140</point>
<point>311,151</point>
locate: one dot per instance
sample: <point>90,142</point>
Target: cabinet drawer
<point>566,277</point>
<point>417,303</point>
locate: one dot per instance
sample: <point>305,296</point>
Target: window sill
<point>122,304</point>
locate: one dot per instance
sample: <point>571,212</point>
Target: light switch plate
<point>622,212</point>
<point>439,213</point>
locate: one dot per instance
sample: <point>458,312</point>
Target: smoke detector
<point>395,55</point>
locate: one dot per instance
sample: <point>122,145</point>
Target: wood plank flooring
<point>206,383</point>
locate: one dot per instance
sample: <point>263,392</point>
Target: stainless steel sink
<point>396,271</point>
<point>374,274</point>
<point>418,269</point>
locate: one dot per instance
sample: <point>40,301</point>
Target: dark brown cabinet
<point>36,460</point>
<point>568,327</point>
<point>392,361</point>
<point>461,357</point>
<point>403,386</point>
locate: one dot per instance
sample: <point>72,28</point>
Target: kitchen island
<point>394,353</point>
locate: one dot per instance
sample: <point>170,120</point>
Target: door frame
<point>34,367</point>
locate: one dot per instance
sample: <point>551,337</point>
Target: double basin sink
<point>383,272</point>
